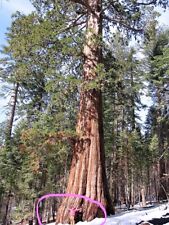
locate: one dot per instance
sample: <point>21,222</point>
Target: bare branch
<point>146,3</point>
<point>73,25</point>
<point>74,21</point>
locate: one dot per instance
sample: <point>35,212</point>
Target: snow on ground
<point>131,217</point>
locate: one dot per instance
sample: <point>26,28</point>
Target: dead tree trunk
<point>87,174</point>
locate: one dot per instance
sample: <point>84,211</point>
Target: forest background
<point>41,64</point>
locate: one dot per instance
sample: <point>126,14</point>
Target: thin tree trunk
<point>12,114</point>
<point>34,213</point>
<point>6,218</point>
<point>87,174</point>
<point>132,96</point>
<point>132,188</point>
<point>8,144</point>
<point>143,199</point>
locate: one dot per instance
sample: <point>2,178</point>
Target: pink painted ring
<point>70,195</point>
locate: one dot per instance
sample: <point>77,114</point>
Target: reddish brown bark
<point>87,174</point>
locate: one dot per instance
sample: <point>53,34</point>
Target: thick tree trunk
<point>87,173</point>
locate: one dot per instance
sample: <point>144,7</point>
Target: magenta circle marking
<point>70,195</point>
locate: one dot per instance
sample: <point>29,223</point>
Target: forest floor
<point>154,214</point>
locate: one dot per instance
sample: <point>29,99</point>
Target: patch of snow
<point>130,217</point>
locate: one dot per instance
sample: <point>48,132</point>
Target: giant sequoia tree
<point>87,173</point>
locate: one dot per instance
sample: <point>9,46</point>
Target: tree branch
<point>122,23</point>
<point>74,21</point>
<point>81,2</point>
<point>146,3</point>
